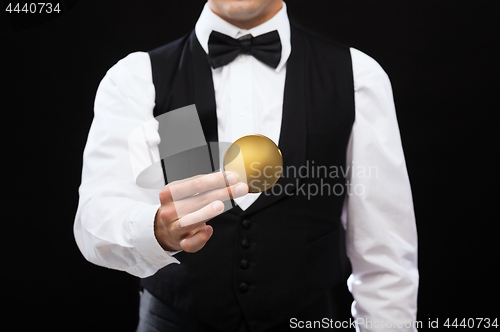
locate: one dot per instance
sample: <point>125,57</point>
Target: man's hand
<point>186,206</point>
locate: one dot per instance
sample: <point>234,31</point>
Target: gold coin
<point>257,160</point>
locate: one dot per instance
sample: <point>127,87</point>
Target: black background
<point>440,56</point>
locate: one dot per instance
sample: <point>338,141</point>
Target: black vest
<point>287,249</point>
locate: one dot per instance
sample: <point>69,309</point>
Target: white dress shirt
<point>114,222</point>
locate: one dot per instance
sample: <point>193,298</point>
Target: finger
<point>194,203</point>
<point>198,240</point>
<point>206,213</point>
<point>166,195</point>
<point>177,189</point>
<point>176,182</point>
<point>202,184</point>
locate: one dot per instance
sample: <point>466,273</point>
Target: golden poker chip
<point>257,160</point>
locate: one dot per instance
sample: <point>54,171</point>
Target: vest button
<point>243,287</point>
<point>244,264</point>
<point>246,223</point>
<point>245,243</point>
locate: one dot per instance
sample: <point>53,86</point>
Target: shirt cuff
<point>144,239</point>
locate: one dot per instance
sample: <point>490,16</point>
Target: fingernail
<point>231,178</point>
<point>218,206</point>
<point>241,190</point>
<point>209,230</point>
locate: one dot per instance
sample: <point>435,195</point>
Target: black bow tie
<point>223,49</point>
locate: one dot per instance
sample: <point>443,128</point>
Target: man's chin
<point>242,9</point>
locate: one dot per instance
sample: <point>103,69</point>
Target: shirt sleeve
<point>378,214</point>
<point>114,223</point>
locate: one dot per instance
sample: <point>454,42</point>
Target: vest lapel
<point>204,90</point>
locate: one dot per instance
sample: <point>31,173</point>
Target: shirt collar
<point>209,21</point>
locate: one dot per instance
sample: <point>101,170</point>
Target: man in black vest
<point>273,261</point>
